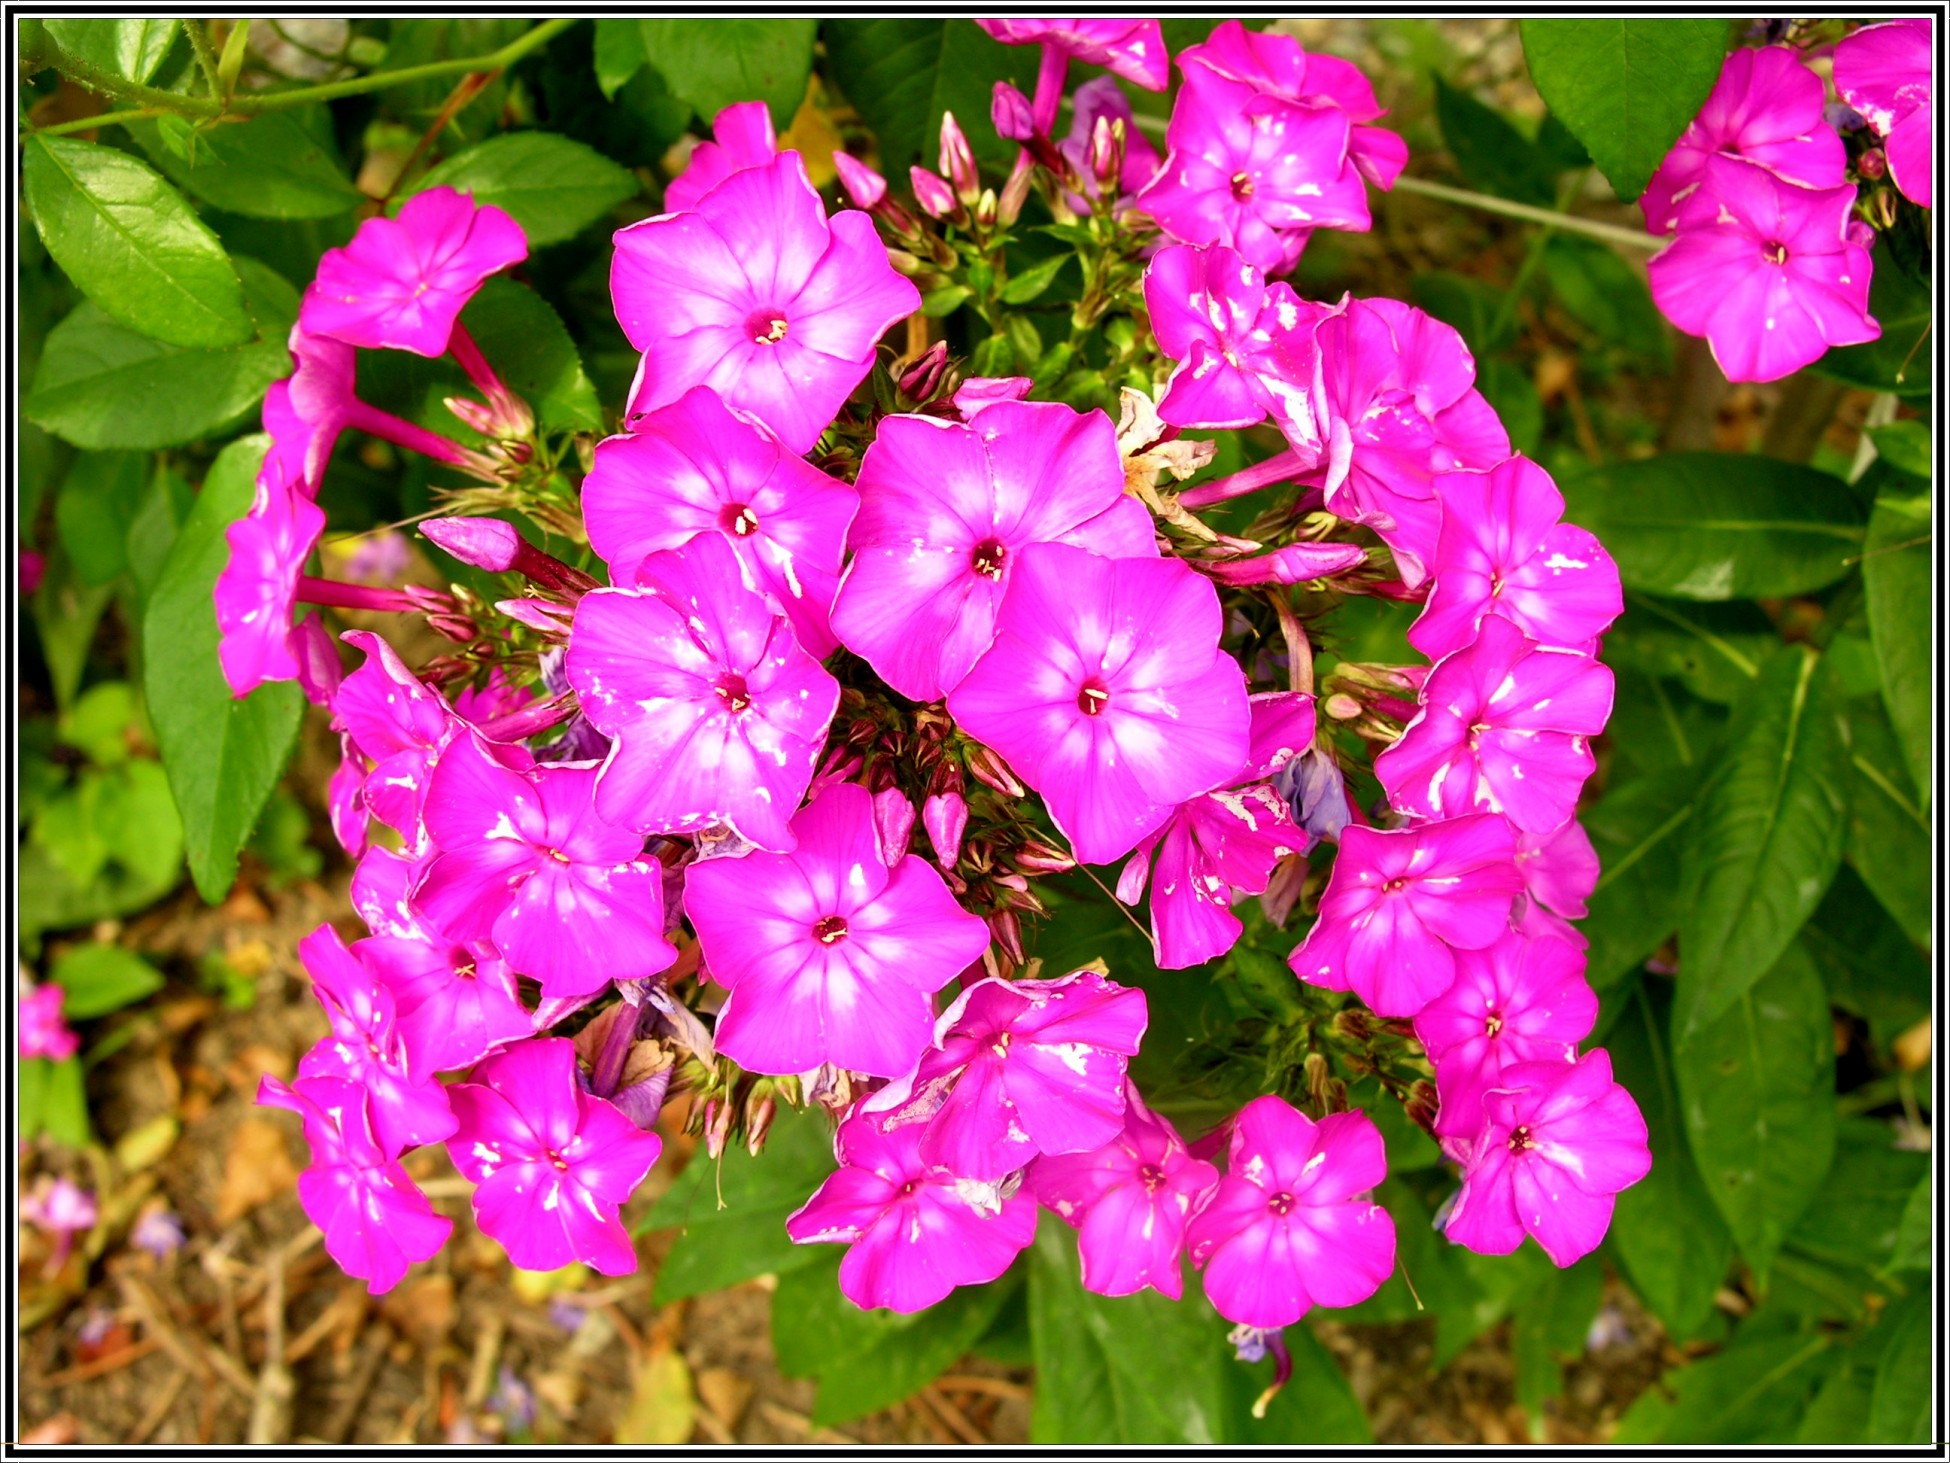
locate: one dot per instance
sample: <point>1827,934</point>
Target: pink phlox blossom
<point>1024,1067</point>
<point>976,392</point>
<point>1505,727</point>
<point>402,282</point>
<point>317,657</point>
<point>1560,1142</point>
<point>525,861</point>
<point>60,1207</point>
<point>375,1219</point>
<point>715,712</point>
<point>1107,691</point>
<point>1883,71</point>
<point>1765,271</point>
<point>1766,108</point>
<point>1400,902</point>
<point>697,467</point>
<point>915,1230</point>
<point>393,724</point>
<point>1103,99</point>
<point>43,1031</point>
<point>259,583</point>
<point>742,137</point>
<point>755,294</point>
<point>1559,868</point>
<point>1129,1201</point>
<point>454,1003</point>
<point>947,510</point>
<point>495,698</point>
<point>1132,49</point>
<point>1243,347</point>
<point>1519,1000</point>
<point>1293,1223</point>
<point>551,1163</point>
<point>829,954</point>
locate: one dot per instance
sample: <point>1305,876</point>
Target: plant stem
<point>206,55</point>
<point>1506,310</point>
<point>1565,222</point>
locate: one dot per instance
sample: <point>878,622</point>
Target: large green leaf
<point>132,245</point>
<point>130,49</point>
<point>1489,151</point>
<point>279,165</point>
<point>1906,1382</point>
<point>1757,1088</point>
<point>1902,358</point>
<point>1896,562</point>
<point>1713,650</point>
<point>101,489</point>
<point>1912,1248</point>
<point>1753,1392</point>
<point>1888,835</point>
<point>1638,832</point>
<point>1626,89</point>
<point>901,74</point>
<point>66,610</point>
<point>1549,1324</point>
<point>1767,836</point>
<point>97,979</point>
<point>1857,1216</point>
<point>714,62</point>
<point>1719,525</point>
<point>1608,296</point>
<point>552,186</point>
<point>1869,965</point>
<point>223,755</point>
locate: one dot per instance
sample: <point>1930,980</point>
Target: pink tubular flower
<point>916,1231</point>
<point>552,1163</point>
<point>717,714</point>
<point>1519,1000</point>
<point>61,1208</point>
<point>259,584</point>
<point>829,955</point>
<point>1766,108</point>
<point>1129,1202</point>
<point>402,282</point>
<point>43,1031</point>
<point>1289,1227</point>
<point>1025,1067</point>
<point>1237,339</point>
<point>1132,49</point>
<point>406,1107</point>
<point>1107,691</point>
<point>697,467</point>
<point>1764,270</point>
<point>1502,550</point>
<point>1560,1142</point>
<point>398,723</point>
<point>455,1004</point>
<point>1560,869</point>
<point>1883,71</point>
<point>1504,728</point>
<point>1398,904</point>
<point>376,1220</point>
<point>524,860</point>
<point>756,295</point>
<point>946,512</point>
<point>743,138</point>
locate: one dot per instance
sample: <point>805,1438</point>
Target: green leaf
<point>1905,446</point>
<point>50,900</point>
<point>1888,835</point>
<point>98,723</point>
<point>1031,282</point>
<point>132,245</point>
<point>867,1360</point>
<point>223,755</point>
<point>277,165</point>
<point>130,49</point>
<point>553,187</point>
<point>1489,151</point>
<point>31,1076</point>
<point>731,1214</point>
<point>1856,1216</point>
<point>1896,563</point>
<point>101,385</point>
<point>1757,1088</point>
<point>1899,1407</point>
<point>1912,1248</point>
<point>152,532</point>
<point>1868,963</point>
<point>103,978</point>
<point>1468,304</point>
<point>64,1104</point>
<point>1839,1413</point>
<point>1767,837</point>
<point>1901,359</point>
<point>712,63</point>
<point>1626,89</point>
<point>1753,1392</point>
<point>1548,1326</point>
<point>619,53</point>
<point>66,612</point>
<point>1665,1229</point>
<point>1508,389</point>
<point>100,491</point>
<point>1718,525</point>
<point>901,74</point>
<point>1608,296</point>
<point>141,826</point>
<point>1638,831</point>
<point>1713,650</point>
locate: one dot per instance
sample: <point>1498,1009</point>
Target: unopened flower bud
<point>1293,564</point>
<point>1106,156</point>
<point>1341,707</point>
<point>1038,857</point>
<point>863,186</point>
<point>760,1109</point>
<point>457,628</point>
<point>945,816</point>
<point>932,192</point>
<point>990,770</point>
<point>538,614</point>
<point>1860,234</point>
<point>488,543</point>
<point>1422,1106</point>
<point>717,1126</point>
<point>921,378</point>
<point>1007,930</point>
<point>503,415</point>
<point>1872,164</point>
<point>1352,1025</point>
<point>1015,192</point>
<point>986,209</point>
<point>862,732</point>
<point>1882,208</point>
<point>1315,792</point>
<point>893,824</point>
<point>1318,1076</point>
<point>1010,111</point>
<point>958,160</point>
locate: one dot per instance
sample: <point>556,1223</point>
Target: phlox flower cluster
<point>751,808</point>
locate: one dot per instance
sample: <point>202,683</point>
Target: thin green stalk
<point>206,54</point>
<point>1568,223</point>
<point>1506,309</point>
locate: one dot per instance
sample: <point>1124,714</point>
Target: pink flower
<point>1104,100</point>
<point>1398,904</point>
<point>525,861</point>
<point>744,138</point>
<point>1243,347</point>
<point>1560,869</point>
<point>1505,727</point>
<point>406,1107</point>
<point>756,295</point>
<point>1766,108</point>
<point>1763,269</point>
<point>59,1207</point>
<point>402,282</point>
<point>376,1220</point>
<point>696,467</point>
<point>1132,49</point>
<point>1560,1142</point>
<point>306,413</point>
<point>398,723</point>
<point>259,583</point>
<point>43,1030</point>
<point>916,1231</point>
<point>1129,1202</point>
<point>717,714</point>
<point>1107,691</point>
<point>1025,1067</point>
<point>946,511</point>
<point>33,568</point>
<point>1883,71</point>
<point>455,1004</point>
<point>552,1163</point>
<point>1519,1000</point>
<point>829,955</point>
<point>1502,550</point>
<point>1289,1227</point>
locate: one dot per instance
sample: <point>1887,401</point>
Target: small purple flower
<point>158,1232</point>
<point>44,1031</point>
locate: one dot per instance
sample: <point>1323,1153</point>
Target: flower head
<point>43,1030</point>
<point>454,1004</point>
<point>743,137</point>
<point>1560,868</point>
<point>1132,49</point>
<point>1243,346</point>
<point>259,583</point>
<point>1883,71</point>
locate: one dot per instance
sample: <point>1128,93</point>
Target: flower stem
<point>1567,223</point>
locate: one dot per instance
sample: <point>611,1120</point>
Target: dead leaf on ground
<point>423,1310</point>
<point>727,1393</point>
<point>663,1404</point>
<point>255,1061</point>
<point>257,1168</point>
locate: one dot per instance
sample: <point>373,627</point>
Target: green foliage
<point>1753,1392</point>
<point>1489,151</point>
<point>1638,832</point>
<point>280,166</point>
<point>97,979</point>
<point>711,63</point>
<point>902,74</point>
<point>129,49</point>
<point>1888,834</point>
<point>1896,583</point>
<point>1900,359</point>
<point>552,187</point>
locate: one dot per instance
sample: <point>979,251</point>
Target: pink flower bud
<point>457,628</point>
<point>1015,192</point>
<point>864,187</point>
<point>1012,114</point>
<point>502,415</point>
<point>945,816</point>
<point>1293,564</point>
<point>922,377</point>
<point>932,192</point>
<point>485,543</point>
<point>1341,707</point>
<point>1007,930</point>
<point>1106,157</point>
<point>717,1127</point>
<point>992,771</point>
<point>1857,232</point>
<point>1038,857</point>
<point>893,825</point>
<point>538,614</point>
<point>1872,164</point>
<point>33,567</point>
<point>958,160</point>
